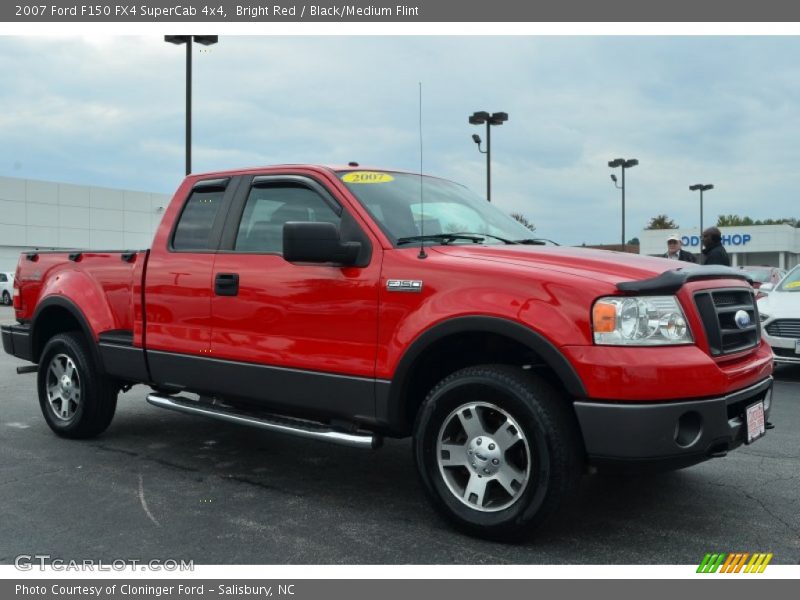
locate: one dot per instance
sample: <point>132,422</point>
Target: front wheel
<point>497,450</point>
<point>76,400</point>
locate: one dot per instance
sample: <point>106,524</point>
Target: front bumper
<point>783,349</point>
<point>677,433</point>
<point>17,341</point>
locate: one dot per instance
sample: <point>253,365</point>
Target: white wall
<point>45,214</point>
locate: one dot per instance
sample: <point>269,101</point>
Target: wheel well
<point>461,350</point>
<point>52,321</point>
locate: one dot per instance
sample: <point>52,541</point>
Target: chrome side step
<point>291,426</point>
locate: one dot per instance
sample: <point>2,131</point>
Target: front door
<point>296,335</point>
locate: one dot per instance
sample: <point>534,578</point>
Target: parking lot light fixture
<point>205,40</point>
<point>701,187</point>
<point>624,164</point>
<point>479,118</point>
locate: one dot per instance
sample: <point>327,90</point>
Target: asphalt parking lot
<point>160,485</point>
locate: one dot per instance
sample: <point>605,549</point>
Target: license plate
<point>797,346</point>
<point>755,421</point>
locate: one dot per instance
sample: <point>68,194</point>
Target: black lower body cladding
<point>678,433</point>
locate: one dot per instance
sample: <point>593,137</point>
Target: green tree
<point>784,221</point>
<point>661,222</point>
<point>524,220</point>
<point>733,221</point>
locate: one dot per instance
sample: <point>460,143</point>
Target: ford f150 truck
<point>346,304</point>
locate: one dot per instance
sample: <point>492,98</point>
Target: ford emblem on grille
<point>742,319</point>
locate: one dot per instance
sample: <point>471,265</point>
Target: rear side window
<point>3,278</point>
<point>196,221</point>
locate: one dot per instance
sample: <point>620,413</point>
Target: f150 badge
<point>404,285</point>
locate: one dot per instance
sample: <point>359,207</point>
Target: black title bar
<point>402,11</point>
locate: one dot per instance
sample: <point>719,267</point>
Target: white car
<point>6,288</point>
<point>780,318</point>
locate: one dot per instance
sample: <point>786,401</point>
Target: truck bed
<point>107,282</point>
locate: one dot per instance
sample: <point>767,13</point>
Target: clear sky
<point>109,111</point>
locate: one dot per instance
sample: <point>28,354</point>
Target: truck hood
<point>602,265</point>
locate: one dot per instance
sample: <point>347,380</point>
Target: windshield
<point>393,200</point>
<point>759,275</point>
<point>791,283</point>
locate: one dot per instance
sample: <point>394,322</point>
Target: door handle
<point>226,284</point>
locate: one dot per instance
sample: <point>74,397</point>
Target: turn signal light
<point>604,317</point>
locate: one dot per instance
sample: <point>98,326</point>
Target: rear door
<point>178,285</point>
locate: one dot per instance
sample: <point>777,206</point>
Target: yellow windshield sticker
<point>367,177</point>
<point>792,285</point>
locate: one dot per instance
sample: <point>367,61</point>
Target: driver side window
<point>268,208</point>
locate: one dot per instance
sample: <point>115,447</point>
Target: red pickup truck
<point>346,304</point>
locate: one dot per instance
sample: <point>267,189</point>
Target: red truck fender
<point>400,399</point>
<point>58,310</point>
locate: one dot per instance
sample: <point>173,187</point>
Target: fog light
<point>688,429</point>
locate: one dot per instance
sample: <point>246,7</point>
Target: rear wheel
<point>497,450</point>
<point>76,400</point>
<point>6,298</point>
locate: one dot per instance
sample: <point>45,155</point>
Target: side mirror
<point>766,288</point>
<point>310,242</point>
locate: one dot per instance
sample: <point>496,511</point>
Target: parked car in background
<point>6,288</point>
<point>761,275</point>
<point>780,318</point>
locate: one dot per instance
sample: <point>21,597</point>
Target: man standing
<point>713,251</point>
<point>675,252</point>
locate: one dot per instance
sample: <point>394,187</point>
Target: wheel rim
<point>483,456</point>
<point>63,387</point>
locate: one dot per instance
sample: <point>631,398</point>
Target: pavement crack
<point>761,503</point>
<point>773,515</point>
<point>248,481</point>
<point>147,457</point>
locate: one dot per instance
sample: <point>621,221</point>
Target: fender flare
<point>72,308</point>
<point>550,355</point>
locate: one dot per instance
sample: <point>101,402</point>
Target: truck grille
<point>785,328</point>
<point>717,311</point>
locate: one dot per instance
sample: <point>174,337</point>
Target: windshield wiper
<point>495,237</point>
<point>444,238</point>
<point>536,241</point>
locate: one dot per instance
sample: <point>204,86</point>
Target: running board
<point>291,426</point>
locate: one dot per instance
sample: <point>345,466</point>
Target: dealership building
<point>772,245</point>
<point>46,214</point>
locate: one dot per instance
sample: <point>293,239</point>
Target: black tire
<point>6,298</point>
<point>82,407</point>
<point>548,451</point>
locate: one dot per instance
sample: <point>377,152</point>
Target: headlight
<point>639,321</point>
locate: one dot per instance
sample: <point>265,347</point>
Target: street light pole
<point>479,118</point>
<point>703,188</point>
<point>625,164</point>
<point>206,40</point>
